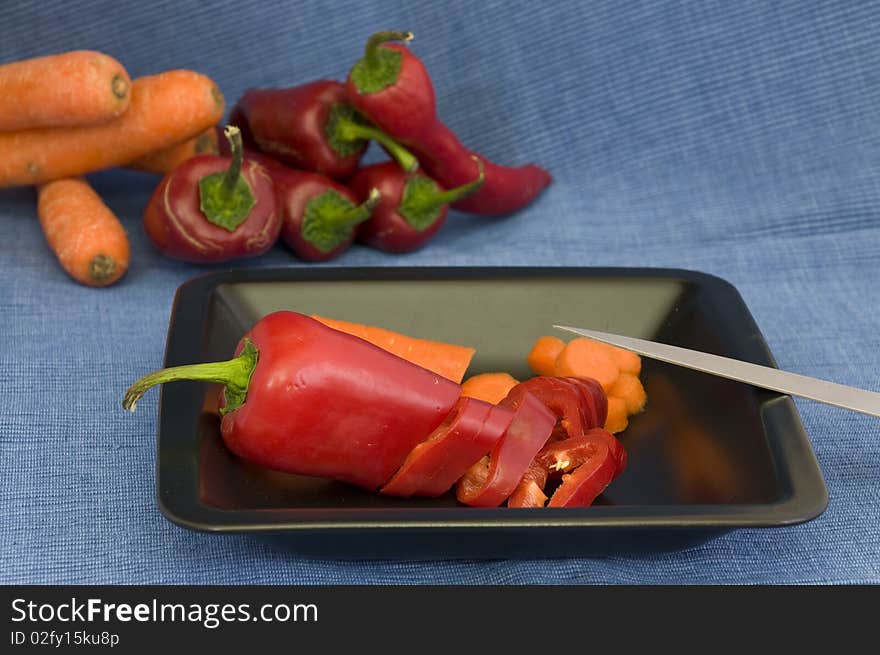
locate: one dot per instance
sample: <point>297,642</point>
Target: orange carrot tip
<point>542,356</point>
<point>166,160</point>
<point>86,237</point>
<point>489,387</point>
<point>81,87</point>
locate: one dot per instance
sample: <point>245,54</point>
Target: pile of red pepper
<point>292,170</point>
<point>304,398</point>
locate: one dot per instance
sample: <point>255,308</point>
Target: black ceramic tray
<point>708,455</point>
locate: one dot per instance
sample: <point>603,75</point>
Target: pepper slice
<point>560,396</point>
<point>530,490</point>
<point>588,481</point>
<point>564,456</point>
<point>595,402</point>
<point>492,479</point>
<point>434,465</point>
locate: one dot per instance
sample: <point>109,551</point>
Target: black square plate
<point>708,455</point>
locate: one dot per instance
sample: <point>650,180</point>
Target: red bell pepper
<point>213,208</point>
<point>312,127</point>
<point>435,464</point>
<point>491,480</point>
<point>303,398</point>
<point>413,207</point>
<point>319,216</point>
<point>392,88</point>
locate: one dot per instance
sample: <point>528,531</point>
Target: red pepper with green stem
<point>303,398</point>
<point>319,216</point>
<point>413,207</point>
<point>392,88</point>
<point>312,127</point>
<point>213,208</point>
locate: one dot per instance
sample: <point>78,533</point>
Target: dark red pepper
<point>303,398</point>
<point>312,127</point>
<point>319,215</point>
<point>392,88</point>
<point>413,207</point>
<point>213,208</point>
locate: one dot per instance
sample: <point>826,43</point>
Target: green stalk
<point>347,129</point>
<point>371,50</point>
<point>379,67</point>
<point>234,374</point>
<point>233,173</point>
<point>423,201</point>
<point>329,218</point>
<point>226,198</point>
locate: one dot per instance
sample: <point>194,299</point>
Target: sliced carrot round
<point>542,356</point>
<point>617,416</point>
<point>626,360</point>
<point>629,388</point>
<point>586,358</point>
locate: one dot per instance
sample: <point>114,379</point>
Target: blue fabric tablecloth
<point>740,139</point>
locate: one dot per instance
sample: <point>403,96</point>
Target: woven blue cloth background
<point>740,139</point>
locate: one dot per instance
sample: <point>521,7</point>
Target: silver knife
<point>831,393</point>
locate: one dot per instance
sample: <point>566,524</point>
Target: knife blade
<point>765,377</point>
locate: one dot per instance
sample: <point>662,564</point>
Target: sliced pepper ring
<point>563,457</point>
<point>492,479</point>
<point>433,466</point>
<point>560,396</point>
<point>581,487</point>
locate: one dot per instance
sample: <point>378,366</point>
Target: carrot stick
<point>81,87</point>
<point>589,359</point>
<point>617,419</point>
<point>489,387</point>
<point>165,109</point>
<point>629,388</point>
<point>86,237</point>
<point>165,161</point>
<point>449,360</point>
<point>542,356</point>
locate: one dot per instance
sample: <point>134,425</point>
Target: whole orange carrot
<point>85,235</point>
<point>165,109</point>
<point>81,87</point>
<point>165,161</point>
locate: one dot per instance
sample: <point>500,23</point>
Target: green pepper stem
<point>460,192</point>
<point>355,215</point>
<point>379,38</point>
<point>230,178</point>
<point>235,374</point>
<point>349,130</point>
